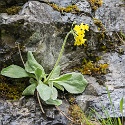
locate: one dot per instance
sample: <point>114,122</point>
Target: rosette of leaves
<point>47,88</point>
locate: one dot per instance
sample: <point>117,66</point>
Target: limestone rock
<point>112,15</point>
<point>116,86</point>
<point>41,29</point>
<point>12,113</point>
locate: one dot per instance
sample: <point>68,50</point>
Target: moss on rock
<point>11,91</point>
<point>95,4</point>
<point>93,68</point>
<point>13,10</point>
<point>68,9</point>
<point>99,24</point>
<point>79,117</point>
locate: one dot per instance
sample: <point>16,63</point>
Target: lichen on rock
<point>95,4</point>
<point>68,9</point>
<point>11,91</point>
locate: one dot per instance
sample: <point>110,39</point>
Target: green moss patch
<point>10,10</point>
<point>68,9</point>
<point>11,91</point>
<point>79,117</point>
<point>91,68</point>
<point>95,4</point>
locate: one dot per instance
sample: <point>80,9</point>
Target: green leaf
<point>56,72</point>
<point>58,86</point>
<point>56,102</point>
<point>28,68</point>
<point>31,64</point>
<point>29,90</point>
<point>14,71</point>
<point>63,77</point>
<point>54,93</point>
<point>119,121</point>
<point>38,74</point>
<point>121,105</point>
<point>33,81</point>
<point>76,84</point>
<point>44,91</point>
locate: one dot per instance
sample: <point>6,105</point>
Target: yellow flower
<point>84,27</point>
<point>79,33</point>
<point>79,40</point>
<point>77,28</point>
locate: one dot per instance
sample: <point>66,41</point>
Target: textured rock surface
<point>96,95</point>
<point>112,15</point>
<point>11,2</point>
<point>41,29</point>
<point>27,112</point>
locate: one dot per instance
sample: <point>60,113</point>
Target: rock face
<point>11,2</point>
<point>41,29</point>
<point>97,96</point>
<point>112,15</point>
<point>27,112</point>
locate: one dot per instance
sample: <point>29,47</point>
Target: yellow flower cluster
<point>80,33</point>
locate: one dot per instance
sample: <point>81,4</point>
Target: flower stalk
<point>79,32</point>
<point>60,55</point>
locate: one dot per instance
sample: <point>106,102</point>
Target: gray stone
<point>11,2</point>
<point>42,30</point>
<point>116,86</point>
<point>84,101</point>
<point>15,114</point>
<point>93,87</point>
<point>112,15</point>
<point>84,6</point>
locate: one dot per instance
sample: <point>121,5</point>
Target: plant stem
<point>20,54</point>
<point>60,55</point>
<point>64,114</point>
<point>120,38</point>
<point>40,103</point>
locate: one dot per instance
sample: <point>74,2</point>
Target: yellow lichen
<point>71,8</point>
<point>95,4</point>
<point>13,10</point>
<point>91,68</point>
<point>99,23</point>
<point>79,117</point>
<point>68,9</point>
<point>71,99</point>
<point>10,90</point>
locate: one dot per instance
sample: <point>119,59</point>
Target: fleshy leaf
<point>38,74</point>
<point>63,77</point>
<point>58,86</point>
<point>76,84</point>
<point>14,71</point>
<point>44,91</point>
<point>29,90</point>
<point>31,64</point>
<point>33,81</point>
<point>28,68</point>
<point>54,93</point>
<point>56,102</point>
